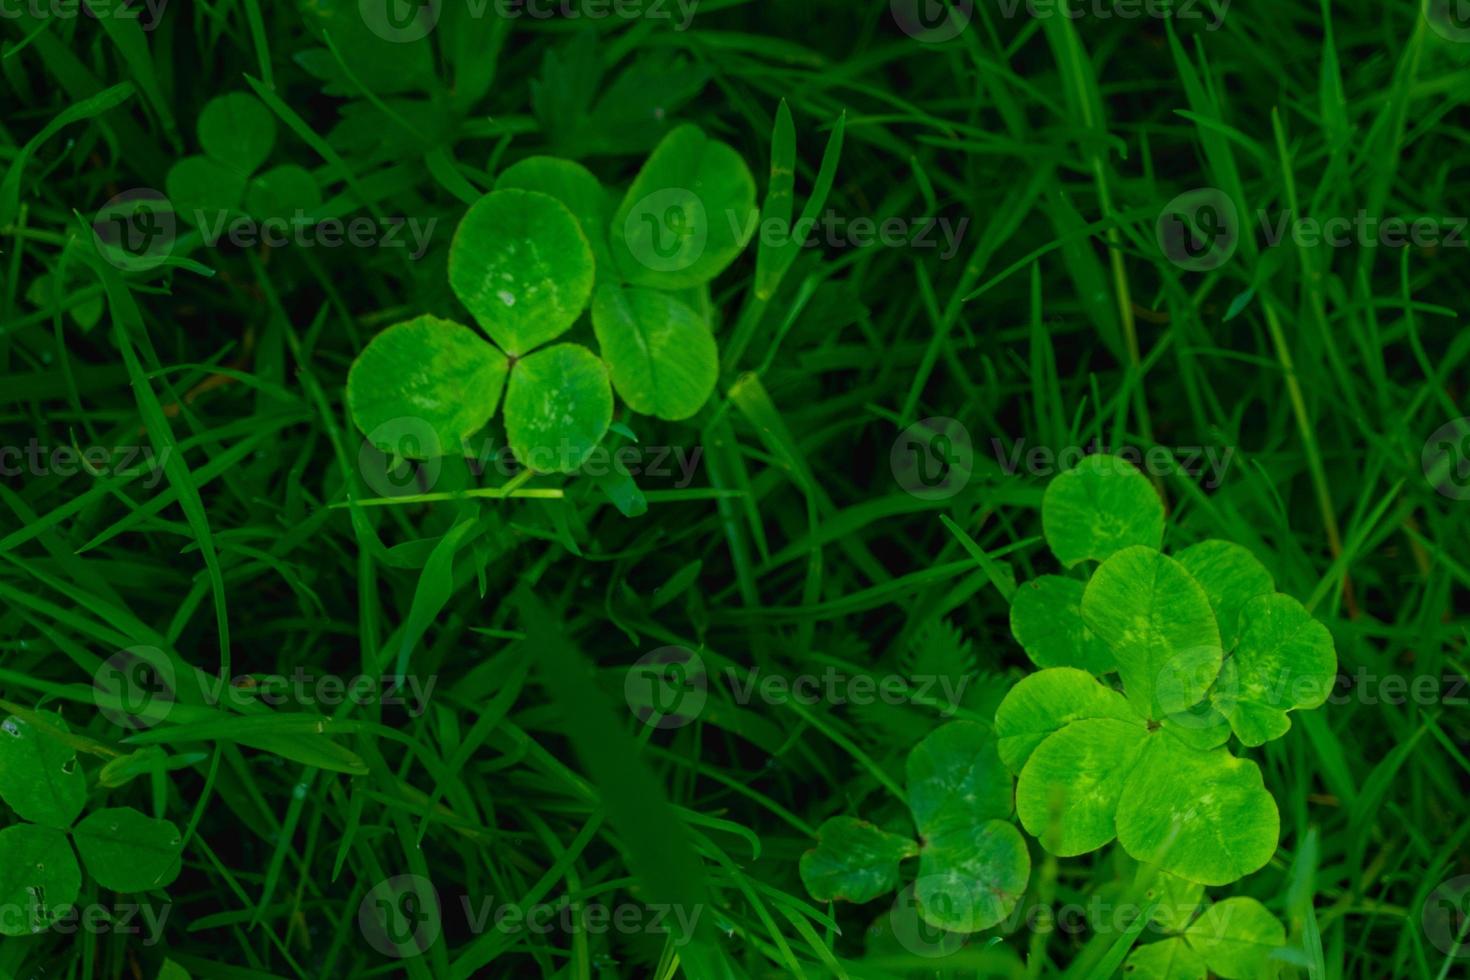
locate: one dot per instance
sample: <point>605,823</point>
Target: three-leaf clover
<point>1232,938</point>
<point>236,135</point>
<point>1204,647</point>
<point>527,261</point>
<point>973,862</point>
<point>40,780</point>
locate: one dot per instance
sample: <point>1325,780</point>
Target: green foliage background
<point>1323,376</point>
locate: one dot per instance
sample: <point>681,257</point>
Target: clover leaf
<point>40,780</point>
<point>38,874</point>
<point>522,266</point>
<point>1233,938</point>
<point>853,861</point>
<point>1068,793</point>
<point>1099,508</point>
<point>39,776</point>
<point>1231,576</point>
<point>687,215</point>
<point>236,134</point>
<point>973,863</point>
<point>1046,702</point>
<point>430,369</point>
<point>1046,619</point>
<point>1284,661</point>
<point>574,186</point>
<point>661,353</point>
<point>1158,622</point>
<point>558,406</point>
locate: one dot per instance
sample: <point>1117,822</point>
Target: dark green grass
<point>1058,322</point>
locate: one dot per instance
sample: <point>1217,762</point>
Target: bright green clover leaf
<point>1158,622</point>
<point>1178,898</point>
<point>688,214</point>
<point>853,861</point>
<point>1046,619</point>
<point>1230,576</point>
<point>1236,936</point>
<point>283,193</point>
<point>558,406</point>
<point>1204,816</point>
<point>39,776</point>
<point>1099,508</point>
<point>661,354</point>
<point>38,876</point>
<point>522,266</point>
<point>238,130</point>
<point>971,877</point>
<point>1068,792</point>
<point>574,186</point>
<point>426,369</point>
<point>1201,727</point>
<point>1171,959</point>
<point>1285,660</point>
<point>1046,702</point>
<point>127,851</point>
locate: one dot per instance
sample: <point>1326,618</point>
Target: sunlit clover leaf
<point>1158,622</point>
<point>558,406</point>
<point>1171,959</point>
<point>237,130</point>
<point>438,375</point>
<point>1099,508</point>
<point>687,215</point>
<point>1285,660</point>
<point>1204,816</point>
<point>522,266</point>
<point>128,851</point>
<point>1068,792</point>
<point>1047,701</point>
<point>661,354</point>
<point>574,186</point>
<point>1231,576</point>
<point>1046,619</point>
<point>39,776</point>
<point>39,878</point>
<point>1178,898</point>
<point>853,861</point>
<point>1236,936</point>
<point>971,877</point>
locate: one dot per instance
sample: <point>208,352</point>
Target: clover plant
<point>1232,939</point>
<point>40,781</point>
<point>527,260</point>
<point>973,862</point>
<point>1203,648</point>
<point>236,135</point>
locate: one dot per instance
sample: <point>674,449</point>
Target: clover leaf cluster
<point>973,862</point>
<point>121,848</point>
<point>526,261</point>
<point>1204,648</point>
<point>236,134</point>
<point>1232,938</point>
